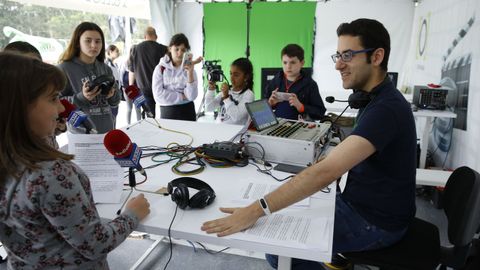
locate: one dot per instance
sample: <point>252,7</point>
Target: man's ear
<point>377,56</point>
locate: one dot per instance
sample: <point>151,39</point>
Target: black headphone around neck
<point>359,99</point>
<point>178,190</point>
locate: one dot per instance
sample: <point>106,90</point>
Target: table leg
<point>284,263</point>
<point>424,142</point>
<point>149,250</point>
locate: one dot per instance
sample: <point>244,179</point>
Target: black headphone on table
<point>178,190</point>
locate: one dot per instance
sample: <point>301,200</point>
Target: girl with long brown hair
<point>48,218</point>
<point>83,62</point>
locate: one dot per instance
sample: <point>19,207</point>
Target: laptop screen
<point>261,114</point>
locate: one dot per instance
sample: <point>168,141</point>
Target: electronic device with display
<point>425,97</point>
<point>283,140</point>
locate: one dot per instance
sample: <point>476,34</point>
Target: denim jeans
<point>351,233</point>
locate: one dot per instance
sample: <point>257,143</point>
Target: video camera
<point>214,71</point>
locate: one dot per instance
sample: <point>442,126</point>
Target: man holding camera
<point>293,94</point>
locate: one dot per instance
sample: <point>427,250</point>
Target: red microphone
<point>76,118</point>
<point>69,108</point>
<point>139,100</point>
<point>124,151</point>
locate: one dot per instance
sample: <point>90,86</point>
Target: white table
<point>226,182</point>
<point>429,115</point>
<point>432,177</point>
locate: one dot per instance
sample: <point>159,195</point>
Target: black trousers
<point>179,112</point>
<point>150,102</point>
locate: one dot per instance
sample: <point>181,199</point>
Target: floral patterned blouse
<point>48,220</point>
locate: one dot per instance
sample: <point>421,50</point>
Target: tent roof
<point>131,8</point>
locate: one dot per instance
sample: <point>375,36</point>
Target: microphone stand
<point>201,109</point>
<point>132,183</point>
<point>327,135</point>
<point>249,9</point>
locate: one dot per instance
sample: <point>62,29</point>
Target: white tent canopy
<point>128,8</point>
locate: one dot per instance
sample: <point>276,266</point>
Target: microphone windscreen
<point>132,92</point>
<point>118,143</point>
<point>330,99</point>
<point>69,108</point>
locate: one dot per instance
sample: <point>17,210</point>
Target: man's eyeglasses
<point>348,55</point>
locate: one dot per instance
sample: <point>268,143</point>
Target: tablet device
<point>261,114</point>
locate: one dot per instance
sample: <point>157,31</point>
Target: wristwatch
<point>264,205</point>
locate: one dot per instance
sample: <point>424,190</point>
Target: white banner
<point>445,50</point>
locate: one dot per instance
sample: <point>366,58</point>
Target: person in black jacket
<point>144,57</point>
<point>293,94</point>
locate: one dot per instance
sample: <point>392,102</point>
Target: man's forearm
<point>342,158</point>
<point>303,185</point>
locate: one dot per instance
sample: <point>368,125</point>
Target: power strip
<point>226,150</point>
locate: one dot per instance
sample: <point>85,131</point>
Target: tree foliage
<point>52,22</point>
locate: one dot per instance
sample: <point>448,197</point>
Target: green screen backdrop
<point>272,26</point>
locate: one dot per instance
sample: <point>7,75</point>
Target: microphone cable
<point>171,130</point>
<point>170,237</point>
<point>134,124</point>
<point>124,202</point>
<point>132,183</point>
<point>327,134</point>
<point>209,251</point>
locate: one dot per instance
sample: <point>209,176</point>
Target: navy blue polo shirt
<point>382,187</point>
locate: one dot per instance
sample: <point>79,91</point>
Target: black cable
<point>176,168</point>
<point>209,251</point>
<point>125,202</point>
<point>327,134</point>
<point>326,189</point>
<point>137,184</point>
<point>170,238</point>
<point>269,172</point>
<point>178,153</point>
<point>261,152</point>
<point>239,134</point>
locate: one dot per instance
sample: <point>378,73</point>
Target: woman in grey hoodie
<point>82,62</point>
